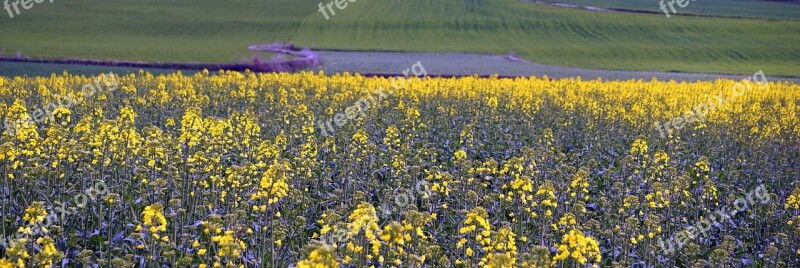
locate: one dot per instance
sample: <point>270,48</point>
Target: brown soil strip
<point>591,8</point>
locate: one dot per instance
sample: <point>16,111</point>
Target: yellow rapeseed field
<point>232,170</point>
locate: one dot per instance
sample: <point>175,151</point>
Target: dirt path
<point>465,64</point>
<point>303,59</point>
<point>383,63</point>
<point>573,6</point>
<point>601,9</point>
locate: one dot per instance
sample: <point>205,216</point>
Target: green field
<point>727,8</point>
<point>220,31</point>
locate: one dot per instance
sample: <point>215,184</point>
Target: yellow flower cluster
<point>364,218</point>
<point>441,181</point>
<point>394,233</point>
<point>504,247</point>
<point>322,257</point>
<point>639,146</point>
<point>702,165</point>
<point>273,184</point>
<point>154,218</point>
<point>35,213</point>
<point>229,246</point>
<point>579,247</point>
<point>6,264</point>
<point>475,223</point>
<point>48,254</point>
<point>231,169</point>
<point>16,254</point>
<point>793,201</point>
<point>547,197</point>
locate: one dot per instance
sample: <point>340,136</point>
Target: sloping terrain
<point>214,31</point>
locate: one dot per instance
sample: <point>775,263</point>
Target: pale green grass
<point>220,31</point>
